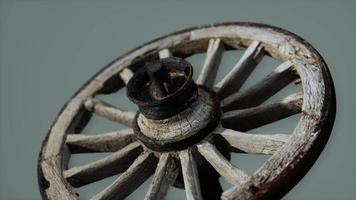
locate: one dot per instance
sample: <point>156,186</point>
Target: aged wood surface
<point>241,71</point>
<point>103,142</point>
<point>276,176</point>
<point>57,188</point>
<point>197,116</point>
<point>261,91</point>
<point>110,112</point>
<point>253,143</point>
<point>254,117</point>
<point>134,176</point>
<point>190,175</point>
<point>229,172</point>
<point>211,63</point>
<point>113,164</point>
<point>164,177</point>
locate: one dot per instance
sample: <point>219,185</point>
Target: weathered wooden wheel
<point>185,131</point>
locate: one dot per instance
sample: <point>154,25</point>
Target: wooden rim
<point>278,174</point>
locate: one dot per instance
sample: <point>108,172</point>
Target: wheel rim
<point>277,175</point>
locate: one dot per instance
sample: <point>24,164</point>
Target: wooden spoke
<point>261,91</point>
<point>253,143</point>
<point>165,175</point>
<point>250,118</point>
<point>229,172</point>
<point>233,81</point>
<point>100,169</point>
<point>211,63</point>
<point>126,75</point>
<point>190,175</point>
<point>110,112</point>
<point>133,177</point>
<point>105,142</point>
<point>164,53</point>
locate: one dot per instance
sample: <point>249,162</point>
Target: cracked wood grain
<point>230,173</point>
<point>110,112</point>
<point>190,175</point>
<point>113,164</point>
<point>211,64</point>
<point>250,118</point>
<point>142,168</point>
<point>104,142</point>
<point>164,177</point>
<point>262,90</point>
<point>253,143</point>
<point>241,71</point>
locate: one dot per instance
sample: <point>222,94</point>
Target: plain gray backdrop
<point>48,49</point>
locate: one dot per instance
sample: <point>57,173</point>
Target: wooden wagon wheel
<point>185,131</point>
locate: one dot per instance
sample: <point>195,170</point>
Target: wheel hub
<point>174,113</point>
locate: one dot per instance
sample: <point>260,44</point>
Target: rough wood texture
<point>136,174</point>
<point>57,187</point>
<point>241,71</point>
<point>211,63</point>
<point>261,91</point>
<point>103,168</point>
<point>276,176</point>
<point>104,142</point>
<point>190,175</point>
<point>229,172</point>
<point>126,75</point>
<point>253,143</point>
<point>197,116</point>
<point>165,175</point>
<point>250,118</point>
<point>110,112</point>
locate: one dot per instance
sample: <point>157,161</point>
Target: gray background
<point>48,49</point>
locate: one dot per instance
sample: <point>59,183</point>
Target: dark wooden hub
<point>164,89</point>
<point>180,143</point>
